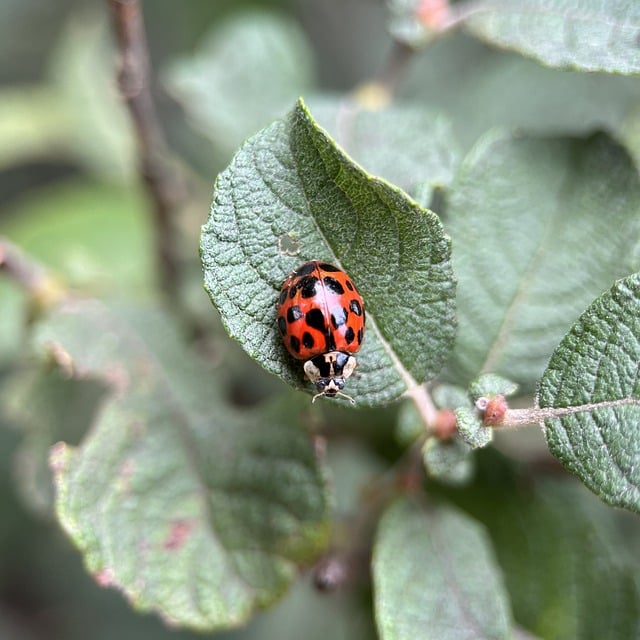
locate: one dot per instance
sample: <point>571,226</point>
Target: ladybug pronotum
<point>321,319</point>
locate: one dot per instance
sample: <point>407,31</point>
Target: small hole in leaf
<point>288,244</point>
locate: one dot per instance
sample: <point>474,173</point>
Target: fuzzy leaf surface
<point>435,577</point>
<point>197,512</point>
<point>290,195</point>
<point>411,146</point>
<point>589,35</point>
<point>594,375</point>
<point>541,227</point>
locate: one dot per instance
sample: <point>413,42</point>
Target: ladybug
<point>321,318</point>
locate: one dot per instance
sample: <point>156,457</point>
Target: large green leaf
<point>570,562</point>
<point>593,380</point>
<point>46,406</point>
<point>95,236</point>
<point>192,510</point>
<point>589,35</point>
<point>435,577</point>
<point>289,196</point>
<point>249,69</point>
<point>540,227</point>
<point>480,88</point>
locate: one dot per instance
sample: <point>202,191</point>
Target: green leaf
<point>99,132</point>
<point>95,236</point>
<point>490,384</point>
<point>33,124</point>
<point>589,35</point>
<point>409,145</point>
<point>448,461</point>
<point>563,101</point>
<point>593,380</point>
<point>192,510</point>
<point>290,196</point>
<point>449,396</point>
<point>47,407</point>
<point>435,577</point>
<point>570,562</point>
<point>471,428</point>
<point>540,226</point>
<point>249,69</point>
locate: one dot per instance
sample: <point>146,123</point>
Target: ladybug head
<point>328,371</point>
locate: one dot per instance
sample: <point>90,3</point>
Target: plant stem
<point>158,174</point>
<point>395,67</point>
<point>519,417</point>
<point>29,274</point>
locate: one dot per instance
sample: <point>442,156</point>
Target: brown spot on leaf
<point>178,534</point>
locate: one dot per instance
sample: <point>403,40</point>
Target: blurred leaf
<point>247,72</point>
<point>449,396</point>
<point>290,184</point>
<point>410,146</point>
<point>33,124</point>
<point>594,375</point>
<point>480,88</point>
<point>95,236</point>
<point>47,407</point>
<point>490,384</point>
<point>192,510</point>
<point>566,556</point>
<point>12,320</point>
<point>435,577</point>
<point>589,35</point>
<point>448,461</point>
<point>77,113</point>
<point>83,70</point>
<point>540,226</point>
<point>409,424</point>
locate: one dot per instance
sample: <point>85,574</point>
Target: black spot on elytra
<point>349,335</point>
<point>350,285</point>
<point>333,285</point>
<point>356,307</point>
<point>360,335</point>
<point>305,269</point>
<point>282,325</point>
<point>294,313</point>
<point>338,316</point>
<point>307,286</point>
<point>295,344</point>
<point>283,295</point>
<point>315,319</point>
<point>307,340</point>
<point>325,266</point>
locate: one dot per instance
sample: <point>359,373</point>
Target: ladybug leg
<point>337,393</point>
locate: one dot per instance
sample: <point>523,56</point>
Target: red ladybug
<point>321,318</point>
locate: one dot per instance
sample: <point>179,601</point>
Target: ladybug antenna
<point>338,393</point>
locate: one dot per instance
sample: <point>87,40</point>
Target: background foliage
<point>139,440</point>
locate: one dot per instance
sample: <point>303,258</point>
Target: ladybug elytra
<point>321,318</point>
